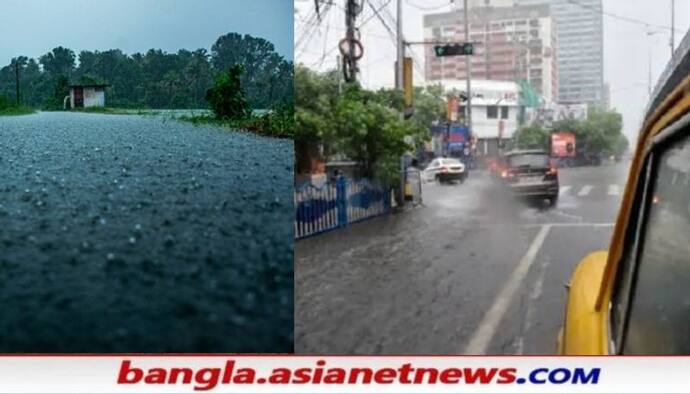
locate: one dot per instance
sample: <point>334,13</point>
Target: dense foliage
<point>362,125</point>
<point>155,79</point>
<point>226,97</point>
<point>278,122</point>
<point>9,106</point>
<point>599,134</point>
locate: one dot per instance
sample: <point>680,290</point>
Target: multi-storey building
<point>513,43</point>
<point>580,50</point>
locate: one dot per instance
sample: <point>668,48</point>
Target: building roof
<point>456,17</point>
<point>484,92</point>
<point>89,85</point>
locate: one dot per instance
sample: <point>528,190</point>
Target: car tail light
<point>507,174</point>
<point>552,171</point>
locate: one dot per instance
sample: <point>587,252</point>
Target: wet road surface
<point>472,271</point>
<point>136,234</point>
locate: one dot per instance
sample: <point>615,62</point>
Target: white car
<point>445,170</point>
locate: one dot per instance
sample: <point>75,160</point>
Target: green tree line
<point>600,134</point>
<point>155,79</point>
<point>364,125</point>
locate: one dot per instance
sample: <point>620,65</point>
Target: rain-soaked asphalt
<point>437,279</point>
<point>137,234</point>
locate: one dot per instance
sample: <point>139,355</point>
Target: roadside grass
<point>278,123</point>
<point>116,111</point>
<point>20,110</point>
<point>9,107</point>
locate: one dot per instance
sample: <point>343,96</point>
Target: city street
<point>470,271</point>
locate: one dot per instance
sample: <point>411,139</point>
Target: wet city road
<point>472,271</point>
<point>137,234</point>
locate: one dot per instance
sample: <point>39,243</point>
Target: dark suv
<point>530,173</point>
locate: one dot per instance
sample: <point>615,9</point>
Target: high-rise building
<point>514,43</point>
<point>580,50</point>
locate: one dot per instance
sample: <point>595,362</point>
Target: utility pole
<point>350,47</point>
<point>399,86</point>
<point>468,73</point>
<point>16,74</point>
<point>401,49</point>
<point>340,76</point>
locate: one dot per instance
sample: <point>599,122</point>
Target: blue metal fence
<point>336,203</point>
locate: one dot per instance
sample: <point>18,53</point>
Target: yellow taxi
<point>634,298</point>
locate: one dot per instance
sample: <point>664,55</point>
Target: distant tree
<point>60,91</point>
<point>226,97</point>
<point>157,79</point>
<point>33,84</point>
<point>532,137</point>
<point>18,64</point>
<point>267,75</point>
<point>58,62</point>
<point>316,95</point>
<point>198,75</point>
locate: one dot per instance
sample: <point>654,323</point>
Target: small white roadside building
<point>495,110</point>
<point>85,96</point>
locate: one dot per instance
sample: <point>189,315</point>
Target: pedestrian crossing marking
<point>585,190</point>
<point>612,190</point>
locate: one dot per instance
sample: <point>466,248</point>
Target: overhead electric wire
<point>623,17</point>
<point>314,21</point>
<point>431,8</point>
<point>416,62</point>
<point>308,20</point>
<point>330,51</point>
<point>383,22</point>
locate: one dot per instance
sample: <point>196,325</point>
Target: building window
<point>492,112</point>
<point>504,112</point>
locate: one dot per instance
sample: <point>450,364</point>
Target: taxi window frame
<point>636,230</point>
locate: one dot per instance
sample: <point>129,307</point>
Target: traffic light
<point>464,49</point>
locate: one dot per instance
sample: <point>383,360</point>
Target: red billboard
<point>563,144</point>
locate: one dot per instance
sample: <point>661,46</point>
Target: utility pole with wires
<point>350,47</point>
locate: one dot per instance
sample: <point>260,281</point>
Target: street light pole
<point>649,73</point>
<point>649,60</point>
<point>673,27</point>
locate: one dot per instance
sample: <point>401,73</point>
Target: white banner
<point>298,374</point>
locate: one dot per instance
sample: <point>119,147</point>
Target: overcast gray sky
<point>34,27</point>
<point>626,45</point>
